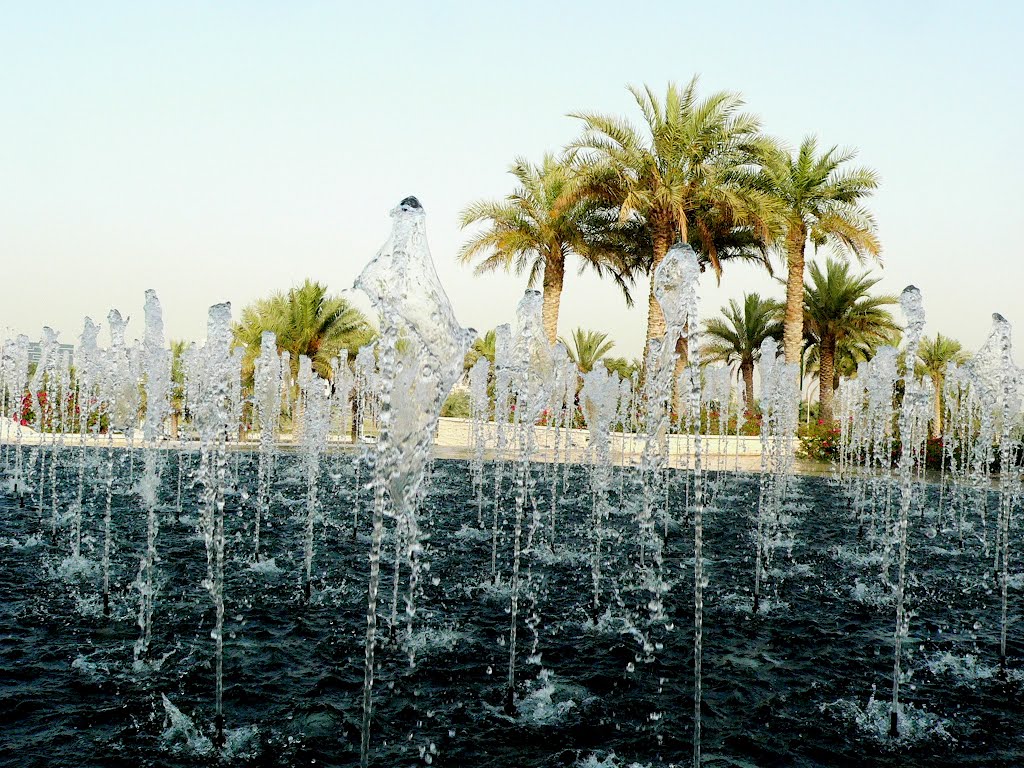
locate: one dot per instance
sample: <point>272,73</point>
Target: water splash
<point>916,405</point>
<point>532,374</point>
<point>157,370</point>
<point>403,287</point>
<point>213,411</point>
<point>267,384</point>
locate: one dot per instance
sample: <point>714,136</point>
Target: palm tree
<point>588,348</point>
<point>933,358</point>
<point>306,321</point>
<point>178,349</point>
<point>850,353</point>
<point>736,337</point>
<point>483,346</point>
<point>687,173</point>
<point>716,240</point>
<point>837,309</point>
<point>626,369</point>
<point>821,201</point>
<point>534,229</point>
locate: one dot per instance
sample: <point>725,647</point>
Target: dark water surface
<point>805,683</point>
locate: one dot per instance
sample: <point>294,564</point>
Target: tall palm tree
<point>735,338</point>
<point>689,170</point>
<point>850,353</point>
<point>588,348</point>
<point>820,201</point>
<point>716,241</point>
<point>934,356</point>
<point>306,321</point>
<point>838,309</point>
<point>534,229</point>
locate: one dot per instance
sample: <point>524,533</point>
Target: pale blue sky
<point>219,151</point>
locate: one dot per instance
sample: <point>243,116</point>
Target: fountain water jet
<point>213,411</point>
<point>916,402</point>
<point>533,368</point>
<point>87,360</point>
<point>267,395</point>
<point>157,369</point>
<point>404,289</point>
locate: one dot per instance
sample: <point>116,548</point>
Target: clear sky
<point>220,151</point>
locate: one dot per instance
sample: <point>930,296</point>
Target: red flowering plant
<point>820,441</point>
<point>28,415</point>
<point>751,426</point>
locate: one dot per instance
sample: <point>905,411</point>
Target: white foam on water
<point>551,700</point>
<point>75,569</point>
<point>872,721</point>
<point>767,606</point>
<point>609,760</point>
<point>871,594</point>
<point>182,735</point>
<point>85,666</point>
<point>855,558</point>
<point>547,556</point>
<point>29,542</point>
<point>180,731</point>
<point>612,625</point>
<point>488,590</point>
<point>148,666</point>
<point>427,640</point>
<point>267,567</point>
<point>471,533</point>
<point>966,668</point>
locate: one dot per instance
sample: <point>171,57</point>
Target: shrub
<point>457,405</point>
<point>751,426</point>
<point>820,441</point>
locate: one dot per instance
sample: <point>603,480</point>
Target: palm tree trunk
<point>554,273</point>
<point>356,416</point>
<point>826,374</point>
<point>682,351</point>
<point>655,317</point>
<point>793,325</point>
<point>937,421</point>
<point>747,372</point>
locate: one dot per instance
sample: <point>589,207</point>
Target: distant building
<point>35,352</point>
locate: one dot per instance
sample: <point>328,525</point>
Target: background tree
<point>820,201</point>
<point>838,309</point>
<point>177,398</point>
<point>534,230</point>
<point>482,346</point>
<point>691,167</point>
<point>588,348</point>
<point>717,240</point>
<point>626,369</point>
<point>934,356</point>
<point>735,338</point>
<point>307,321</point>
